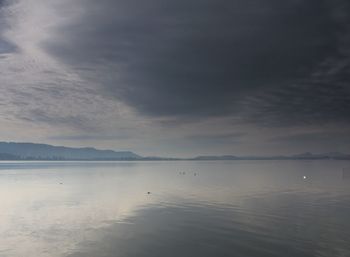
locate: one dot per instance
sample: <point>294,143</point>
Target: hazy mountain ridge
<point>303,156</point>
<point>30,151</point>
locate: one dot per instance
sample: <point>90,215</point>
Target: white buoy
<point>304,177</point>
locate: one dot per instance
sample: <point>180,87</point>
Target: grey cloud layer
<point>205,58</point>
<point>211,74</point>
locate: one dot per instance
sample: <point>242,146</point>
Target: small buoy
<point>304,177</point>
<point>148,193</point>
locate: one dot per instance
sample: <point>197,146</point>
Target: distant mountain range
<point>31,151</point>
<point>303,156</point>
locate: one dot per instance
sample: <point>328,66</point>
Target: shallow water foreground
<point>117,209</point>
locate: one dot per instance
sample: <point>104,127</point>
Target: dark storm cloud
<point>286,61</point>
<point>307,103</point>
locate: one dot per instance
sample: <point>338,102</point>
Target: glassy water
<point>117,209</point>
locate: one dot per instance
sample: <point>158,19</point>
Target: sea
<point>240,208</point>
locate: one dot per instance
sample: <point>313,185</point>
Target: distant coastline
<point>10,151</point>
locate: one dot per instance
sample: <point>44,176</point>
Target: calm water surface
<point>117,209</point>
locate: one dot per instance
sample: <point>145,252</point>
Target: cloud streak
<point>184,71</point>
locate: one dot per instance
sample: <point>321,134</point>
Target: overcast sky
<point>177,78</point>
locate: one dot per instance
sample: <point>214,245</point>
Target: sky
<point>177,78</point>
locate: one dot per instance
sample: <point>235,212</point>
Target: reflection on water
<point>237,208</point>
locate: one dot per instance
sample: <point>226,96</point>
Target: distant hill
<point>330,155</point>
<point>31,151</point>
<point>7,156</point>
<point>303,156</point>
<point>213,157</point>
